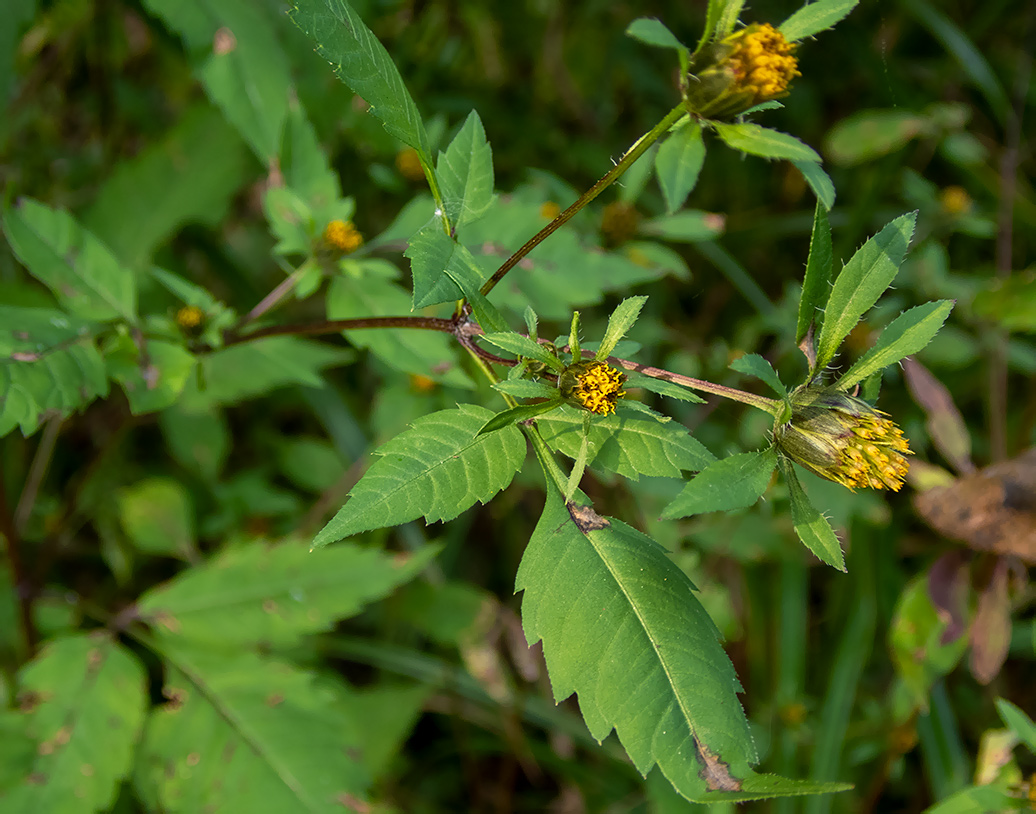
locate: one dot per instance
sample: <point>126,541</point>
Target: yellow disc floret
<point>190,316</point>
<point>343,236</point>
<point>594,386</point>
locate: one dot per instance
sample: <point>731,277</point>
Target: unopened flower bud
<point>750,66</point>
<point>342,236</point>
<point>594,386</point>
<point>843,439</point>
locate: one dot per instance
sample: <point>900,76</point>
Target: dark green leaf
<point>152,379</point>
<point>523,412</point>
<point>729,483</point>
<point>621,627</point>
<point>362,62</point>
<point>465,173</point>
<point>678,162</point>
<point>258,594</point>
<point>908,333</point>
<point>437,469</point>
<point>810,525</point>
<point>523,346</point>
<point>89,707</point>
<point>526,389</point>
<point>816,287</point>
<point>663,388</point>
<point>764,142</point>
<point>157,516</point>
<point>78,268</point>
<point>248,734</point>
<point>816,17</point>
<point>752,364</point>
<point>861,282</point>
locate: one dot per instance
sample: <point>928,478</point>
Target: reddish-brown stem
<point>23,588</point>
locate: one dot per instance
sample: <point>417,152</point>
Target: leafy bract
<point>817,284</point>
<point>524,346</point>
<point>84,706</point>
<point>621,628</point>
<point>254,593</point>
<point>908,333</point>
<point>764,142</point>
<point>619,323</point>
<point>815,17</point>
<point>247,734</point>
<point>628,445</point>
<point>48,364</point>
<point>362,62</point>
<point>861,282</point>
<point>436,469</point>
<point>75,265</point>
<point>465,172</point>
<point>810,525</point>
<point>729,483</point>
<point>678,163</point>
<point>819,181</point>
<point>720,19</point>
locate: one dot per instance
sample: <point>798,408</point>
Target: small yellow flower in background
<point>751,66</point>
<point>843,439</point>
<point>955,200</point>
<point>619,222</point>
<point>595,386</point>
<point>420,383</point>
<point>343,236</point>
<point>190,316</point>
<point>550,210</point>
<point>409,164</point>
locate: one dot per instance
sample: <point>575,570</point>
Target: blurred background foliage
<point>886,677</point>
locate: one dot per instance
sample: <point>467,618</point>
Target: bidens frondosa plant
<point>620,624</point>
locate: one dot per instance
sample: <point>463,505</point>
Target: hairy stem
<point>624,163</point>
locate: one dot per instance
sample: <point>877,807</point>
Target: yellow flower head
<point>751,66</point>
<point>341,235</point>
<point>190,316</point>
<point>843,439</point>
<point>409,164</point>
<point>594,386</point>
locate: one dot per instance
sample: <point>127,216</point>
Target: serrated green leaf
<point>678,163</point>
<point>621,627</point>
<point>908,333</point>
<point>729,483</point>
<point>199,166</point>
<point>652,31</point>
<point>373,293</point>
<point>79,269</point>
<point>628,445</point>
<point>523,346</point>
<point>465,173</point>
<point>1018,722</point>
<point>430,251</point>
<point>523,412</point>
<point>720,19</point>
<point>464,271</point>
<point>810,525</point>
<point>688,226</point>
<point>254,593</point>
<point>89,702</point>
<point>764,142</point>
<point>619,323</point>
<point>363,64</point>
<point>247,734</point>
<point>815,17</point>
<point>861,282</point>
<point>437,469</point>
<point>816,287</point>
<point>526,389</point>
<point>48,364</point>
<point>158,517</point>
<point>818,180</point>
<point>752,364</point>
